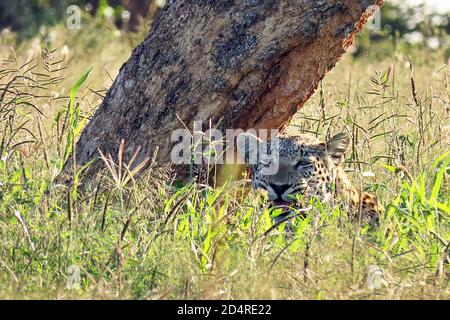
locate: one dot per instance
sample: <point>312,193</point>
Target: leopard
<point>289,167</point>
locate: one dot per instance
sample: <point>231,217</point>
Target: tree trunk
<point>237,63</point>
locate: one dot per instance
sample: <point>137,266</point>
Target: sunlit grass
<point>146,237</point>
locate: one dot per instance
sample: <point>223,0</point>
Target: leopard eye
<point>302,164</point>
<point>266,162</point>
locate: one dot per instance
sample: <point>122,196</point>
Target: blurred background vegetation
<point>35,15</point>
<point>416,24</point>
<point>409,26</point>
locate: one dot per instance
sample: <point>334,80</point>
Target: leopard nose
<point>280,189</point>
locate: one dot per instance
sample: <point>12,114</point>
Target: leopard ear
<point>337,146</point>
<point>247,147</point>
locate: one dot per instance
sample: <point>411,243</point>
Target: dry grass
<point>148,239</point>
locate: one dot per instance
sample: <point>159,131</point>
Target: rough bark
<point>237,63</point>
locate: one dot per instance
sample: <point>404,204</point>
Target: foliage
<point>145,237</point>
<point>36,15</point>
<point>33,14</point>
<point>415,24</point>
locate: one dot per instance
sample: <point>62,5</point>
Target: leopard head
<point>286,167</point>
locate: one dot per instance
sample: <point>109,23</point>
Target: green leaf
<point>390,168</point>
<point>440,206</point>
<point>439,179</point>
<point>74,112</point>
<point>77,86</point>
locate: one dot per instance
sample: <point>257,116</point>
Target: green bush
<point>35,14</point>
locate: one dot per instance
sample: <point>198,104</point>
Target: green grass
<point>147,238</point>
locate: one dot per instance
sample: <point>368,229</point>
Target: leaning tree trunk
<point>239,64</point>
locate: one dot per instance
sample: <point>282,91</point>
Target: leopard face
<point>298,165</point>
<point>289,167</point>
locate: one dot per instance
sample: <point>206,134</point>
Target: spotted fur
<point>304,165</point>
